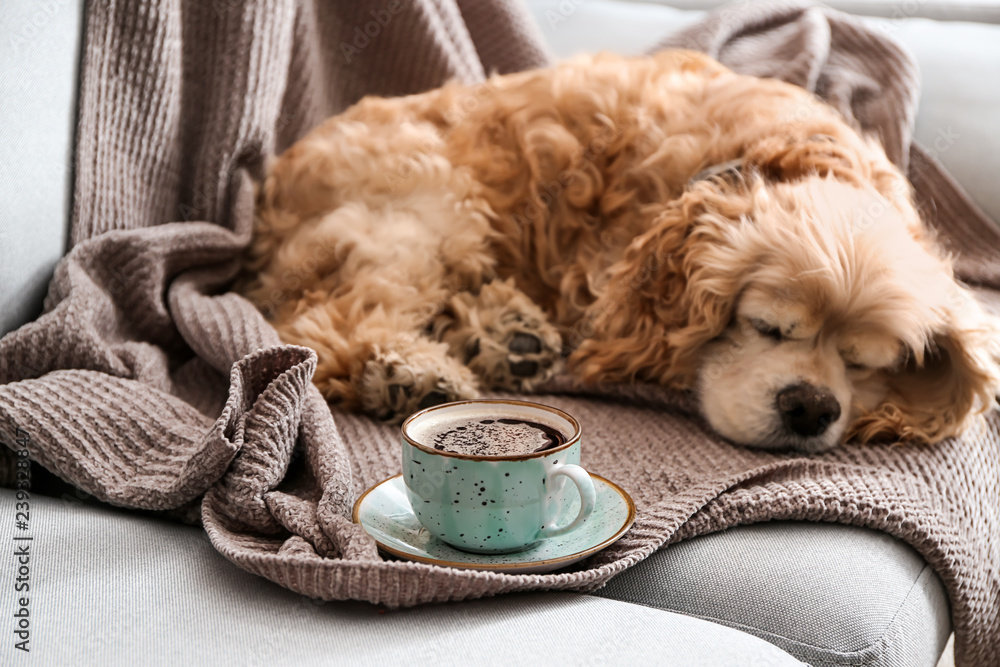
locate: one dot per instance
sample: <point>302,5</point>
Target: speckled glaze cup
<point>496,504</point>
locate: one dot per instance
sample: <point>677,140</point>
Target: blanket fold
<point>148,385</point>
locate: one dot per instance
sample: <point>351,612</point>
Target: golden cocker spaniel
<point>657,219</point>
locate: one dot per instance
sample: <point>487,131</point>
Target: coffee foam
<point>438,431</point>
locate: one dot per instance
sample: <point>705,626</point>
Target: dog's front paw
<point>397,383</point>
<point>502,336</point>
<point>516,359</point>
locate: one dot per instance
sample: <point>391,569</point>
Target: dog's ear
<point>940,389</point>
<point>673,291</point>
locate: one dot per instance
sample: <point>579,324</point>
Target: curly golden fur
<point>474,236</point>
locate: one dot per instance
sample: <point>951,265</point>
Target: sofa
<point>115,587</point>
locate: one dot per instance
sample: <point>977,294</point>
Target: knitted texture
<point>149,386</point>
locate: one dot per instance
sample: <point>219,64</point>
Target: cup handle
<point>588,498</point>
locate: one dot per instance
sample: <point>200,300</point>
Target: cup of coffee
<point>490,476</point>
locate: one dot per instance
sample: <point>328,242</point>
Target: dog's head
<point>803,313</point>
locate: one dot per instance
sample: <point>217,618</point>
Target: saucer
<point>385,513</point>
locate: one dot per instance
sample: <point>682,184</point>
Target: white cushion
<point>39,68</point>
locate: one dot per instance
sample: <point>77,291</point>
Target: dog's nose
<point>807,410</point>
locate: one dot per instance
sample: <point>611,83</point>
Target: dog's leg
<point>377,363</point>
<point>409,374</point>
<point>501,335</point>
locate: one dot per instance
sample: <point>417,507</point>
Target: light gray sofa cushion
<point>111,587</point>
<point>38,80</point>
<point>828,594</point>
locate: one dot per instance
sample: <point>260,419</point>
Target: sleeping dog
<point>658,219</point>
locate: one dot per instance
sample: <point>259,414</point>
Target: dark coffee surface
<point>494,437</point>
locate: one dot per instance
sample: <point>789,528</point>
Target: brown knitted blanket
<point>149,386</point>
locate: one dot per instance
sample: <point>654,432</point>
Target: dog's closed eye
<point>766,329</point>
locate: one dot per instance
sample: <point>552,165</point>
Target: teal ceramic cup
<point>495,504</point>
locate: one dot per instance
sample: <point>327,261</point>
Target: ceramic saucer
<point>385,513</point>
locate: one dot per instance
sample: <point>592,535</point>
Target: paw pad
<point>524,368</point>
<point>397,383</point>
<point>524,343</point>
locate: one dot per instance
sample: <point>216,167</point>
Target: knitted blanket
<point>148,385</point>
